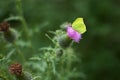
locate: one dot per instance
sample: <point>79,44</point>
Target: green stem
<point>49,71</point>
<point>19,51</point>
<point>25,28</point>
<point>24,23</point>
<point>69,62</point>
<point>19,7</point>
<point>71,43</point>
<point>62,69</point>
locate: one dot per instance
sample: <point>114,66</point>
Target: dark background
<point>100,46</point>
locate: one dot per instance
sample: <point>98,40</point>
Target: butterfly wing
<point>79,25</point>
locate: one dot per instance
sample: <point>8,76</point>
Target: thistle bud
<point>64,41</point>
<point>59,52</point>
<point>64,25</point>
<point>10,35</point>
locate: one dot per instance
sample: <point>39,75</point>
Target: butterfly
<point>79,25</point>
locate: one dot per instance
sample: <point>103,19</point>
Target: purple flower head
<point>73,34</point>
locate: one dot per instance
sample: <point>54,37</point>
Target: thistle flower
<point>16,69</point>
<point>9,34</point>
<point>75,30</point>
<point>73,34</point>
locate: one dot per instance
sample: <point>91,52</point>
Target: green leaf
<point>36,58</point>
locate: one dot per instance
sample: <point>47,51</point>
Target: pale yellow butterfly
<point>79,25</point>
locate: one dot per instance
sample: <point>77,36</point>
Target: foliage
<point>52,62</point>
<point>99,50</point>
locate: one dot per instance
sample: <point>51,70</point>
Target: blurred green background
<point>100,46</point>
